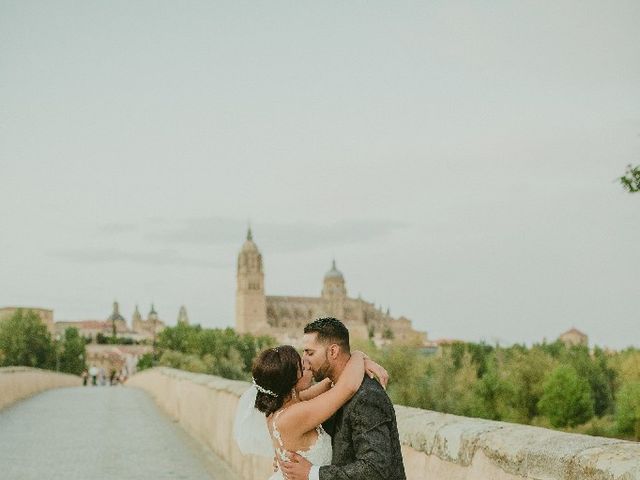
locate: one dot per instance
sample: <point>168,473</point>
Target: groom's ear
<point>334,350</point>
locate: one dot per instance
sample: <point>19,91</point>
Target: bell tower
<point>334,292</point>
<point>251,302</point>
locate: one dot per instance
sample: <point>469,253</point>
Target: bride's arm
<point>315,390</point>
<point>371,368</point>
<point>305,416</point>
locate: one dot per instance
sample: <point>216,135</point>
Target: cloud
<point>110,255</point>
<point>283,237</point>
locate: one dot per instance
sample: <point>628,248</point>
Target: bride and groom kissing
<point>341,427</point>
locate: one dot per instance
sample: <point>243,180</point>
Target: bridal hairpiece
<point>262,389</point>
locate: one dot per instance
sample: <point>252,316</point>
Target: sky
<point>457,159</point>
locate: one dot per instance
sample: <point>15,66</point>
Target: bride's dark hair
<point>276,370</point>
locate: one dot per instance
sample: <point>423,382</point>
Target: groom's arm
<point>371,438</point>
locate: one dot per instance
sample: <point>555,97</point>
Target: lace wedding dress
<point>318,454</point>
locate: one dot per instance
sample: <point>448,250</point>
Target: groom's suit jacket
<point>364,435</point>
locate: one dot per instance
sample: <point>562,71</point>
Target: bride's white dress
<point>318,454</point>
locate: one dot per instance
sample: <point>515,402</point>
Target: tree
<point>406,374</point>
<point>567,398</point>
<point>631,180</point>
<point>25,340</point>
<point>145,361</point>
<point>73,356</point>
<point>594,369</point>
<point>628,410</point>
<point>522,382</point>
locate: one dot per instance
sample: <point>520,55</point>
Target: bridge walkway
<point>102,433</point>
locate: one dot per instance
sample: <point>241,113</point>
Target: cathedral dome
<point>115,315</point>
<point>334,272</point>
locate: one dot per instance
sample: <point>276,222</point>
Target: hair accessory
<point>262,389</point>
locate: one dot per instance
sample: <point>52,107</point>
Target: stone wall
<point>17,383</point>
<point>436,446</point>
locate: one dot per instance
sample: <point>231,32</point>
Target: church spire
<point>249,234</point>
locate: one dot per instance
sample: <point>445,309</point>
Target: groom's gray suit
<point>364,435</point>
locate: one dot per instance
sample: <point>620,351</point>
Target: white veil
<point>250,427</point>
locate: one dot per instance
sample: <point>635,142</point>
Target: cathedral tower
<point>251,302</point>
<point>182,315</point>
<point>334,292</point>
<point>136,321</point>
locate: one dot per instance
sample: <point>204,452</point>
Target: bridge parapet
<point>17,383</point>
<point>435,445</point>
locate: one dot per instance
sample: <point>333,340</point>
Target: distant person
<point>112,377</point>
<point>85,377</point>
<point>102,377</point>
<point>93,373</point>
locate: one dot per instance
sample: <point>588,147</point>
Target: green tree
<point>406,374</point>
<point>492,393</point>
<point>25,340</point>
<point>522,382</point>
<point>595,370</point>
<point>628,410</point>
<point>567,398</point>
<point>73,356</point>
<point>181,338</point>
<point>631,180</point>
<point>145,362</point>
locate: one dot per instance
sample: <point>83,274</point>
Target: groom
<point>364,433</point>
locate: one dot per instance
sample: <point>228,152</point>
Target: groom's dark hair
<point>330,330</point>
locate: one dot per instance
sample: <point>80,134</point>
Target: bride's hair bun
<point>275,370</point>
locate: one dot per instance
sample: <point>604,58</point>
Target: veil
<point>250,427</point>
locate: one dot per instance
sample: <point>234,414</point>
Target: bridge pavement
<point>102,433</point>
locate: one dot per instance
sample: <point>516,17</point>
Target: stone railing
<point>17,383</point>
<point>435,445</point>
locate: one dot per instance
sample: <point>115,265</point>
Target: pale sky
<point>457,158</point>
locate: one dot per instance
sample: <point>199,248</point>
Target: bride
<point>294,409</point>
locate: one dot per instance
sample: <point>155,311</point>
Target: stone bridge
<point>120,432</point>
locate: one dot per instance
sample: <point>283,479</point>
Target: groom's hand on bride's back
<point>297,468</point>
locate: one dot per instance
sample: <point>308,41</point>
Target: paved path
<point>87,433</point>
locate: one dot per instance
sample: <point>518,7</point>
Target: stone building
<point>148,326</point>
<point>45,314</point>
<point>574,337</point>
<point>141,329</point>
<point>284,317</point>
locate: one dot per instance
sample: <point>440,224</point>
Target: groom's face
<point>315,356</point>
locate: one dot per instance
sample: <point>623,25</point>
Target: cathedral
<point>284,317</point>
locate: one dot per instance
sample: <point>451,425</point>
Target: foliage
<point>102,339</point>
<point>567,399</point>
<point>628,410</point>
<point>25,341</point>
<point>145,361</point>
<point>631,180</point>
<point>72,358</point>
<point>220,352</point>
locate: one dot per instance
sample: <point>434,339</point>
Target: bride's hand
<point>375,370</point>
